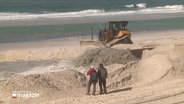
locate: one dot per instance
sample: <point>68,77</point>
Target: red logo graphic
<point>14,95</point>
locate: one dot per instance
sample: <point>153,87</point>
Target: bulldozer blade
<point>122,40</point>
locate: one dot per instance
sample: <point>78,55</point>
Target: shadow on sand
<point>119,90</point>
<point>138,52</point>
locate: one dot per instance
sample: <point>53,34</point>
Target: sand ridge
<point>107,56</point>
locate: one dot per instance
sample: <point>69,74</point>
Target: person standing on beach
<point>92,80</point>
<point>102,75</point>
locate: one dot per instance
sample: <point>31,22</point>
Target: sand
<point>41,54</point>
<point>151,73</point>
<point>107,56</point>
<point>158,65</point>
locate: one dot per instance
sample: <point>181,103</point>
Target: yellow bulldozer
<point>116,33</point>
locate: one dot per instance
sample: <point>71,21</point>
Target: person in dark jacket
<point>102,75</point>
<point>93,80</point>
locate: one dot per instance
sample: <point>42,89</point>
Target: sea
<point>34,20</point>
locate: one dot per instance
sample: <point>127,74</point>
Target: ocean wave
<point>175,7</point>
<point>130,6</point>
<point>15,16</point>
<point>139,5</point>
<point>94,12</point>
<point>164,9</point>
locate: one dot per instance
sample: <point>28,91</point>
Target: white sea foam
<point>139,5</point>
<point>164,9</point>
<point>130,6</point>
<point>94,12</point>
<point>15,16</point>
<point>62,65</point>
<point>175,7</point>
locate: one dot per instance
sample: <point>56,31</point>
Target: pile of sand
<point>106,56</point>
<point>177,58</point>
<point>175,54</point>
<point>154,68</point>
<point>161,62</point>
<point>49,86</point>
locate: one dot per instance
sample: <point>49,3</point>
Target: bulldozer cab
<point>117,25</point>
<point>116,29</point>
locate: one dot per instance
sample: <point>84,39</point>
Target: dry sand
<point>151,73</point>
<point>107,56</point>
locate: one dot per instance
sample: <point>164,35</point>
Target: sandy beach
<point>149,71</point>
